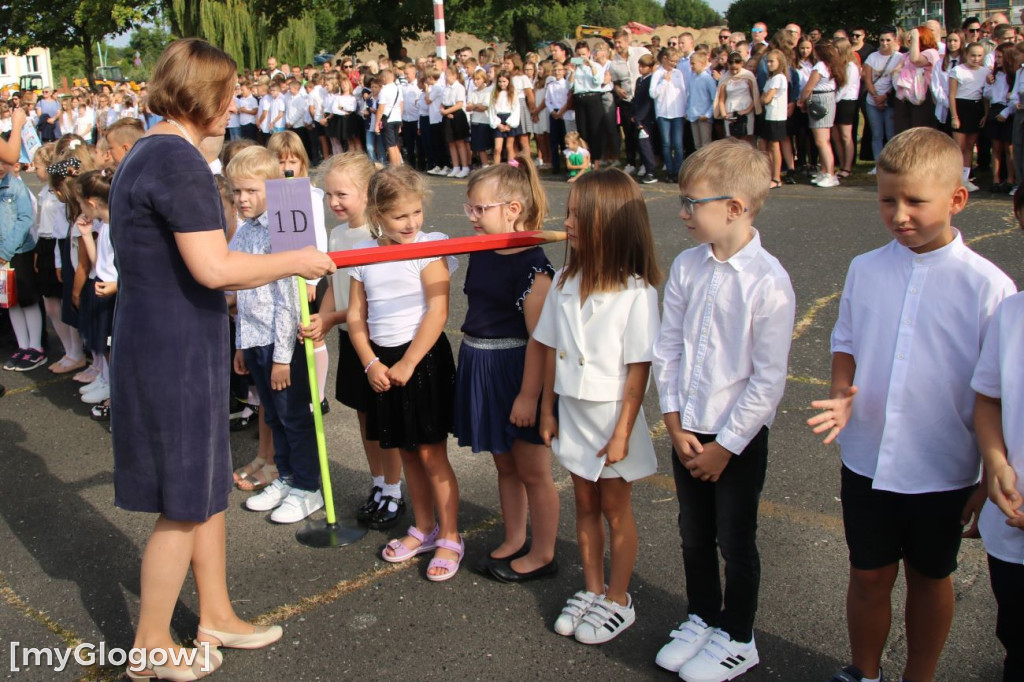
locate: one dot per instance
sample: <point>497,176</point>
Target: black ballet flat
<point>366,511</point>
<point>385,518</point>
<point>502,571</point>
<point>483,566</point>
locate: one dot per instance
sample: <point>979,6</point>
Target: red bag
<point>8,287</point>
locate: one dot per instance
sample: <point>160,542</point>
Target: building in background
<point>29,71</point>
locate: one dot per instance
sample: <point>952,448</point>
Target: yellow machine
<point>111,76</point>
<point>584,32</point>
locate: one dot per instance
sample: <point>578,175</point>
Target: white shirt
<point>247,103</point>
<point>53,219</point>
<point>721,357</point>
<point>970,82</point>
<point>852,88</point>
<point>883,67</point>
<point>502,105</point>
<point>389,102</point>
<point>456,92</point>
<point>555,95</point>
<point>103,269</point>
<point>298,111</point>
<point>481,97</point>
<point>344,238</point>
<point>826,83</point>
<point>434,111</point>
<point>668,88</point>
<point>410,93</point>
<point>395,299</point>
<point>776,109</point>
<point>914,324</point>
<point>233,116</point>
<point>998,375</point>
<point>266,104</point>
<point>278,107</point>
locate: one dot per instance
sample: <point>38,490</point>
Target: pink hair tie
<point>513,163</point>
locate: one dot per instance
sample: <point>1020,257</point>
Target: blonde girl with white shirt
<point>396,317</point>
<point>506,116</point>
<point>1000,117</point>
<point>967,108</point>
<point>599,324</point>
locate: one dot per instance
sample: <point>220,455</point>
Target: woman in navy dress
<point>169,378</point>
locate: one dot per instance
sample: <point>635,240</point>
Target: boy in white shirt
<point>720,362</point>
<point>999,423</point>
<point>247,110</point>
<point>278,107</point>
<point>911,322</point>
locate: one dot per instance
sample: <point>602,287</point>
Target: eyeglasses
<point>757,30</point>
<point>723,37</point>
<point>858,35</point>
<point>974,30</point>
<point>477,210</point>
<point>673,44</point>
<point>690,205</point>
<point>346,66</point>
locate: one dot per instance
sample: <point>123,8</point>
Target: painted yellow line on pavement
<point>988,235</point>
<point>805,322</point>
<point>32,387</point>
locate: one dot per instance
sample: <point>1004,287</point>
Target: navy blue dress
<point>488,379</point>
<point>169,378</point>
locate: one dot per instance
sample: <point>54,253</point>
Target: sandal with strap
<point>850,673</point>
<point>451,566</point>
<point>774,184</point>
<point>258,481</point>
<point>843,173</point>
<point>249,469</point>
<point>400,553</point>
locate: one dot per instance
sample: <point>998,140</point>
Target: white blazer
<point>591,357</point>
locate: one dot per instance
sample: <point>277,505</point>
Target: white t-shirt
<point>247,103</point>
<point>434,111</point>
<point>389,102</point>
<point>776,109</point>
<point>395,299</point>
<point>481,97</point>
<point>998,376</point>
<point>103,269</point>
<point>344,238</point>
<point>882,75</point>
<point>852,88</point>
<point>233,116</point>
<point>970,82</point>
<point>827,82</point>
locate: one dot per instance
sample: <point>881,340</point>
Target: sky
<point>719,5</point>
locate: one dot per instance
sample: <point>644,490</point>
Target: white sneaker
<point>1013,191</point>
<point>97,395</point>
<point>720,660</point>
<point>462,173</point>
<point>92,385</point>
<point>453,173</point>
<point>573,612</point>
<point>828,181</point>
<point>686,643</point>
<point>298,505</point>
<point>270,498</point>
<point>970,186</point>
<point>817,177</point>
<point>629,169</point>
<point>604,621</point>
<point>443,172</point>
<point>434,171</point>
<point>873,171</point>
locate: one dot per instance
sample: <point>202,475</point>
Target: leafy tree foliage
<point>827,15</point>
<point>692,13</point>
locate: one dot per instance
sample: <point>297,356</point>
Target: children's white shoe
<point>604,621</point>
<point>828,181</point>
<point>97,395</point>
<point>297,505</point>
<point>687,641</point>
<point>93,385</point>
<point>434,171</point>
<point>720,660</point>
<point>463,172</point>
<point>970,186</point>
<point>573,612</point>
<point>270,498</point>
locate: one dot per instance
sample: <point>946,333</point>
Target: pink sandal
<point>428,543</point>
<point>451,567</point>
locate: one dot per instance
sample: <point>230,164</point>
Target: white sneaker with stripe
<point>720,660</point>
<point>686,642</point>
<point>604,621</point>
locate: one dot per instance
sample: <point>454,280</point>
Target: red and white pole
<point>442,51</point>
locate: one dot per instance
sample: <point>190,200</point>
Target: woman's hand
<point>313,264</point>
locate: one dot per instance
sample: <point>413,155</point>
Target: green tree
<point>361,22</point>
<point>692,13</point>
<point>824,14</point>
<point>75,23</point>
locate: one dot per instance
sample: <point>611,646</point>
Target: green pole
<point>314,394</point>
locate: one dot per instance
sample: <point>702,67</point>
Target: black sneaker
<point>30,359</point>
<point>851,673</point>
<point>11,364</point>
<point>648,179</point>
<point>325,406</point>
<point>386,517</point>
<point>367,510</point>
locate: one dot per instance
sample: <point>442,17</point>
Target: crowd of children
<point>559,362</point>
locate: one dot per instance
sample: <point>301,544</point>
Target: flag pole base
<point>322,534</point>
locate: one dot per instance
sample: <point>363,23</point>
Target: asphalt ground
<point>69,563</point>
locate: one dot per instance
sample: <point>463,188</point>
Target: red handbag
<point>8,288</point>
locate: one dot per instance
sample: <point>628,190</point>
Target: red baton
<point>444,247</point>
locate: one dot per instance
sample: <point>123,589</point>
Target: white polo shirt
<point>914,324</point>
<point>998,375</point>
<point>721,357</point>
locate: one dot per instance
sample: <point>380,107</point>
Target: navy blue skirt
<point>481,137</point>
<point>68,311</point>
<point>486,384</point>
<point>95,318</point>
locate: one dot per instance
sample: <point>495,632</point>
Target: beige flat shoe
<point>264,635</point>
<point>199,669</point>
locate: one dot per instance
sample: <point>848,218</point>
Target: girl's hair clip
<point>513,163</point>
<point>106,173</point>
<point>63,169</point>
<point>74,144</point>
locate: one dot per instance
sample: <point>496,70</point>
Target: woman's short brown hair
<point>192,82</point>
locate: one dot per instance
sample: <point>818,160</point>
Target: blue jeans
<point>723,515</point>
<point>288,415</point>
<point>671,144</point>
<point>371,145</point>
<point>883,126</point>
<point>234,133</point>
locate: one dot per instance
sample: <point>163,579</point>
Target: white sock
<point>967,172</point>
<point>75,350</point>
<point>393,490</point>
<point>103,367</point>
<point>322,360</point>
<point>872,679</point>
<point>378,482</point>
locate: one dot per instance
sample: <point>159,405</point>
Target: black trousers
<point>590,122</point>
<point>629,131</point>
<point>410,130</point>
<point>1008,587</point>
<point>723,515</point>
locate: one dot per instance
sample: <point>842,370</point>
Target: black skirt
<point>969,112</point>
<point>457,127</point>
<point>96,318</point>
<point>25,278</point>
<point>68,312</point>
<point>421,412</point>
<point>846,112</point>
<point>46,268</point>
<point>351,387</point>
